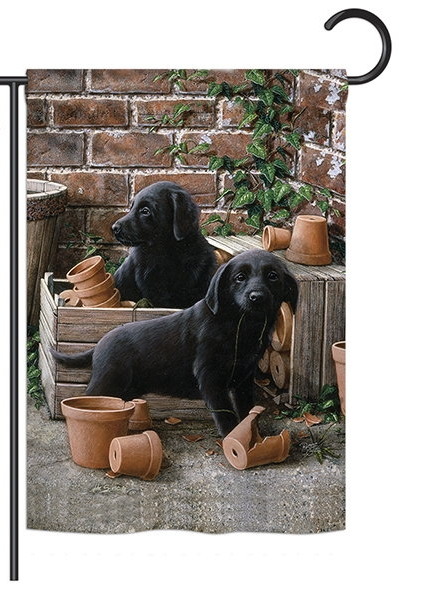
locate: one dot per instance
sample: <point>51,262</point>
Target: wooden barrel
<point>46,200</point>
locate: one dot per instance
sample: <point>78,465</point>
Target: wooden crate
<point>319,320</point>
<point>72,330</point>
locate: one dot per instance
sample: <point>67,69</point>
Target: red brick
<point>318,91</point>
<point>73,222</point>
<point>130,149</point>
<point>100,221</point>
<point>55,80</point>
<point>338,142</point>
<point>66,258</point>
<point>322,168</point>
<point>336,222</point>
<point>232,113</point>
<point>202,186</point>
<point>128,81</point>
<point>55,149</point>
<point>90,112</point>
<point>200,115</point>
<point>94,189</point>
<point>36,112</point>
<point>236,218</point>
<point>36,174</point>
<point>229,144</point>
<point>314,124</point>
<point>200,86</point>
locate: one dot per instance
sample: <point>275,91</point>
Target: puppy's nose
<point>256,297</point>
<point>116,228</point>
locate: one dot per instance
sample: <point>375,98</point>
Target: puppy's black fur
<point>209,350</point>
<point>170,262</point>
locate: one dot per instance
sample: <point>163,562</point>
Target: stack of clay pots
<point>276,359</point>
<point>92,285</point>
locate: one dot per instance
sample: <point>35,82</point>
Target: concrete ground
<point>195,490</point>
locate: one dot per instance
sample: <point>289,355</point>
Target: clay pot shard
<point>309,242</point>
<point>279,363</point>
<point>70,298</point>
<point>338,353</point>
<point>137,455</point>
<point>87,273</point>
<point>141,419</point>
<point>275,238</point>
<point>244,447</point>
<point>282,336</point>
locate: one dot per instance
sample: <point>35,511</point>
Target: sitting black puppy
<point>209,350</point>
<point>170,262</point>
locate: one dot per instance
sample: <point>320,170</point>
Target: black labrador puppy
<point>170,262</point>
<point>209,350</point>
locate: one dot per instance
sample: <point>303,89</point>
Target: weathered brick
<point>128,81</point>
<point>200,86</point>
<point>36,112</point>
<point>321,92</point>
<point>339,131</point>
<point>55,80</point>
<point>55,149</point>
<point>314,124</point>
<point>72,223</point>
<point>322,168</point>
<point>130,149</point>
<point>229,144</point>
<point>66,258</point>
<point>94,189</point>
<point>100,220</point>
<point>77,112</point>
<point>236,218</point>
<point>232,113</point>
<point>201,112</point>
<point>336,222</point>
<point>31,174</point>
<point>202,186</point>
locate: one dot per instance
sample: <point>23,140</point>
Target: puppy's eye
<point>240,277</point>
<point>145,211</point>
<point>272,276</point>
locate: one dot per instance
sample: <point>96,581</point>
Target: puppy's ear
<point>215,288</point>
<point>185,214</point>
<point>290,290</point>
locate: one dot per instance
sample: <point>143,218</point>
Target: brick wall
<point>89,129</point>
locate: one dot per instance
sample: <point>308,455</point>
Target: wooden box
<point>71,330</point>
<point>319,320</point>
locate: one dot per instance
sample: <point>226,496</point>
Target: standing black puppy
<point>170,262</point>
<point>209,350</point>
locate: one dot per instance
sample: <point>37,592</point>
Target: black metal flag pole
<point>14,84</point>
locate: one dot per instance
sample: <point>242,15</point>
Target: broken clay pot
<point>87,273</point>
<point>338,353</point>
<point>92,422</point>
<point>141,419</point>
<point>92,296</point>
<point>275,238</point>
<point>244,447</point>
<point>137,455</point>
<point>282,336</point>
<point>309,242</point>
<point>127,304</point>
<point>70,298</point>
<point>279,364</point>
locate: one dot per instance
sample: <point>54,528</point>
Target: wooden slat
<point>334,328</point>
<point>48,308</point>
<point>89,324</point>
<point>48,383</point>
<point>145,314</point>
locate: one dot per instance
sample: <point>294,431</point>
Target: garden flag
<point>186,300</point>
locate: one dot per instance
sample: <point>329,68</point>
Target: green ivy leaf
<point>261,129</point>
<point>267,97</point>
<point>266,199</point>
<point>213,218</point>
<point>254,221</point>
<point>281,214</point>
<point>216,162</point>
<point>280,92</point>
<point>258,149</point>
<point>306,192</point>
<point>199,148</point>
<point>214,89</point>
<point>281,190</point>
<point>243,197</point>
<point>281,167</point>
<point>239,177</point>
<point>294,139</point>
<point>225,229</point>
<point>268,170</point>
<point>247,119</point>
<point>325,192</point>
<point>323,206</point>
<point>255,76</point>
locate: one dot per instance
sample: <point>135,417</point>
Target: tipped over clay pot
<point>275,238</point>
<point>282,336</point>
<point>222,256</point>
<point>244,447</point>
<point>87,273</point>
<point>112,302</point>
<point>141,419</point>
<point>92,423</point>
<point>97,294</point>
<point>338,353</point>
<point>309,242</point>
<point>279,364</point>
<point>70,298</point>
<point>137,455</point>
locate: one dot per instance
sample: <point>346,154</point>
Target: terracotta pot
<point>70,298</point>
<point>275,238</point>
<point>280,368</point>
<point>87,273</point>
<point>338,353</point>
<point>244,447</point>
<point>127,304</point>
<point>92,422</point>
<point>309,242</point>
<point>264,361</point>
<point>97,293</point>
<point>112,302</point>
<point>137,455</point>
<point>222,256</point>
<point>282,336</point>
<point>141,419</point>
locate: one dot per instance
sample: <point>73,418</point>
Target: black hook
<point>384,34</point>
